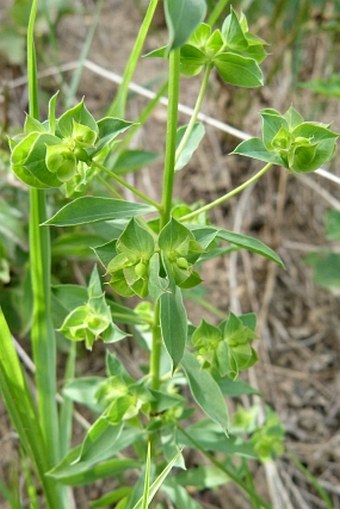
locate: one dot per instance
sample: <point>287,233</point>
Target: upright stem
<point>196,111</point>
<point>171,132</point>
<point>42,333</point>
<point>156,351</point>
<point>43,336</point>
<point>229,195</point>
<point>117,108</point>
<point>168,184</point>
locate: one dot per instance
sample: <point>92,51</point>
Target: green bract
<point>268,439</point>
<point>289,141</point>
<point>179,252</point>
<point>227,347</point>
<point>129,269</point>
<point>93,320</point>
<point>61,151</point>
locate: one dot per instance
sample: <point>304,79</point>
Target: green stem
<point>43,337</point>
<point>217,11</point>
<point>123,182</point>
<point>254,497</point>
<point>108,186</point>
<point>118,106</point>
<point>195,113</point>
<point>156,351</point>
<point>229,195</point>
<point>42,334</point>
<point>66,410</point>
<point>168,184</point>
<point>171,132</point>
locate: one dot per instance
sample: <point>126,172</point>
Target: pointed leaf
<point>238,70</point>
<point>157,284</point>
<point>136,239</point>
<point>174,326</point>
<point>251,244</point>
<point>256,149</point>
<point>182,18</point>
<point>109,129</point>
<point>205,391</point>
<point>97,441</point>
<point>92,209</point>
<point>191,145</point>
<point>79,114</point>
<point>133,160</point>
<point>156,485</point>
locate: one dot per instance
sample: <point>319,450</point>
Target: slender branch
<point>196,111</point>
<point>171,131</point>
<point>108,186</point>
<point>250,492</point>
<point>126,184</point>
<point>229,195</point>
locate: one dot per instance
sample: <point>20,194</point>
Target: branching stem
<point>126,184</point>
<point>229,195</point>
<point>195,113</point>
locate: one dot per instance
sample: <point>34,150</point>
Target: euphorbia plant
<point>156,252</point>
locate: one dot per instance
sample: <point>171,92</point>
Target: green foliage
<point>182,17</point>
<point>329,87</point>
<point>326,262</point>
<point>153,252</point>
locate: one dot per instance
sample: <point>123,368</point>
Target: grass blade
<point>154,487</point>
<point>20,407</point>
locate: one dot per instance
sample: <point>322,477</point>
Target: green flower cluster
<point>145,264</point>
<point>226,348</point>
<point>233,51</point>
<point>268,440</point>
<point>93,319</point>
<point>230,49</point>
<point>60,151</point>
<point>289,141</point>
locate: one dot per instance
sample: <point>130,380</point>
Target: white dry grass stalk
<point>145,92</point>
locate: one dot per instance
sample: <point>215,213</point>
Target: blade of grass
<point>147,478</point>
<point>20,407</point>
<point>42,334</point>
<point>155,486</point>
<point>66,408</point>
<point>117,107</point>
<point>73,87</point>
<point>314,482</point>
